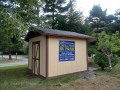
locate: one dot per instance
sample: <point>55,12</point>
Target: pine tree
<point>54,8</point>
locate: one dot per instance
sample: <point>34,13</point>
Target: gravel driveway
<point>24,60</point>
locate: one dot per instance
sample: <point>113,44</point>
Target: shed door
<point>36,57</point>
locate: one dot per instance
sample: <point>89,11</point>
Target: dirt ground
<point>99,83</point>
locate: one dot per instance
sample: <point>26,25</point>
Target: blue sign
<point>66,50</point>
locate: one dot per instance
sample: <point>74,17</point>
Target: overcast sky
<point>86,5</point>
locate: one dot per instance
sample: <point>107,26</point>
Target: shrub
<point>101,60</point>
<point>114,61</point>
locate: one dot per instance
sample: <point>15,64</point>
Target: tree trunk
<point>110,63</point>
<point>53,25</point>
<point>2,55</point>
<point>16,55</point>
<point>10,54</point>
<point>38,22</point>
<point>53,17</point>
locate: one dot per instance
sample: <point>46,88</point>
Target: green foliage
<point>110,19</point>
<point>91,50</point>
<point>117,53</point>
<point>30,11</point>
<point>108,43</point>
<point>12,28</point>
<point>55,8</point>
<point>73,21</point>
<point>117,13</point>
<point>101,60</point>
<point>24,48</point>
<point>97,17</point>
<point>114,61</point>
<point>98,12</point>
<point>115,72</point>
<point>113,27</point>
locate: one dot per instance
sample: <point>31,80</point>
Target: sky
<point>86,5</point>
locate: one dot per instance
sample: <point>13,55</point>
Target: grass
<point>13,67</point>
<point>13,77</point>
<point>18,78</point>
<point>115,71</point>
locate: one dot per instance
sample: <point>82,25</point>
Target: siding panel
<point>65,67</point>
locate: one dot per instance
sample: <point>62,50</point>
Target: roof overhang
<point>40,31</point>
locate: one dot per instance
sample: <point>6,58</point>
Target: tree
<point>109,44</point>
<point>112,27</point>
<point>117,14</point>
<point>97,17</point>
<point>53,8</point>
<point>113,22</point>
<point>11,29</point>
<point>72,21</point>
<point>15,18</point>
<point>30,11</point>
<point>110,19</point>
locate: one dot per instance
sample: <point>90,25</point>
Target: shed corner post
<point>47,55</point>
<point>87,53</point>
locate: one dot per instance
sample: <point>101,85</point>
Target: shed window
<point>66,50</point>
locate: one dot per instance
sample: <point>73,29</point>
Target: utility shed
<point>56,52</point>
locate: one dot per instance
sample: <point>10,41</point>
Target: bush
<point>114,61</point>
<point>101,60</point>
<point>118,53</point>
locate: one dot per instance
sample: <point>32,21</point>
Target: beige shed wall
<point>42,40</point>
<point>65,67</point>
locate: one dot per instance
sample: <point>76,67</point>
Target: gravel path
<point>14,64</point>
<point>14,57</point>
<point>23,61</point>
<point>89,74</point>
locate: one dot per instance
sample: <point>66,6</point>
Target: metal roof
<point>54,32</point>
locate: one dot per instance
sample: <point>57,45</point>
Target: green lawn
<point>18,78</point>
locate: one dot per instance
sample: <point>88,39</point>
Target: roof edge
<point>42,31</point>
<point>69,36</point>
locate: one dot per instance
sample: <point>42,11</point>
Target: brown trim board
<point>29,54</point>
<point>68,36</point>
<point>87,54</point>
<point>62,37</point>
<point>32,56</point>
<point>47,50</point>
